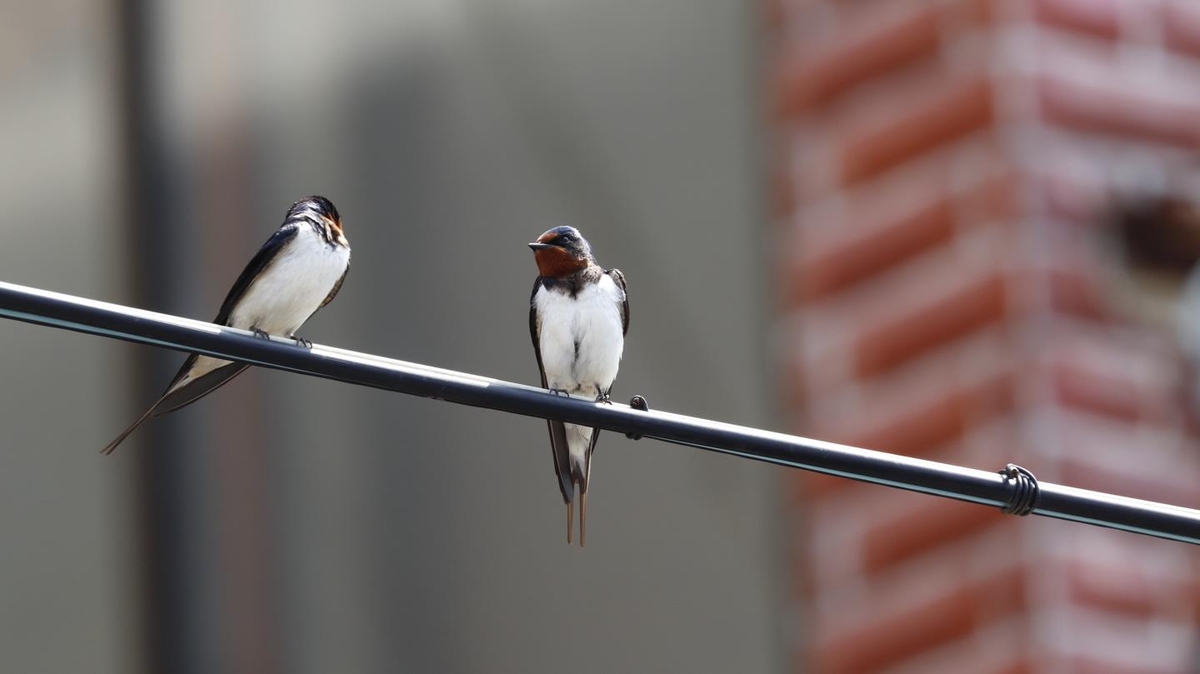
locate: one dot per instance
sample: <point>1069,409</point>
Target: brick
<point>892,242</point>
<point>865,49</point>
<point>1094,665</point>
<point>861,276</point>
<point>934,116</point>
<point>946,419</point>
<point>816,486</point>
<point>970,308</point>
<point>1113,587</point>
<point>974,12</point>
<point>1131,482</point>
<point>998,198</point>
<point>1109,394</point>
<point>1001,651</point>
<point>1021,667</point>
<point>1079,294</point>
<point>882,229</point>
<point>1075,200</point>
<point>1099,18</point>
<point>950,616</point>
<point>926,412</point>
<point>1118,112</point>
<point>1181,26</point>
<point>922,529</point>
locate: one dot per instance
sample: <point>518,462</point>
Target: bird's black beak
<point>537,245</point>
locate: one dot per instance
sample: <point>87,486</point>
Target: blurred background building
<point>966,186</point>
<point>958,229</point>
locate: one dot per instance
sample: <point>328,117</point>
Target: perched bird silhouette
<point>296,272</point>
<point>578,317</point>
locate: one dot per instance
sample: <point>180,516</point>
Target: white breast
<point>287,293</point>
<point>581,337</point>
<point>293,286</point>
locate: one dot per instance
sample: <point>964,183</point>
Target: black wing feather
<point>257,265</point>
<point>619,279</point>
<point>558,432</point>
<point>336,287</point>
<point>193,391</point>
<point>172,400</point>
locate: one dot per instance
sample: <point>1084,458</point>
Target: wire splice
<point>637,403</point>
<point>1025,493</point>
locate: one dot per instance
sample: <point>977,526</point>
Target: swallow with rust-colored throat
<point>296,272</point>
<point>578,317</point>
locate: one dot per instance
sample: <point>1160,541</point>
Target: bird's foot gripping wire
<point>300,341</point>
<point>602,396</point>
<point>259,333</point>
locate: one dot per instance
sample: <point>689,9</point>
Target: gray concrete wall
<point>68,586</point>
<point>329,528</point>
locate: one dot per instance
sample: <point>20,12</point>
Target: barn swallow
<point>296,272</point>
<point>578,317</point>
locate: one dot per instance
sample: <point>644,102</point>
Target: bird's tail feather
<point>582,475</point>
<point>180,396</point>
<point>582,517</point>
<point>570,521</point>
<point>108,449</point>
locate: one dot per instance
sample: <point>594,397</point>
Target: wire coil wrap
<point>638,403</point>
<point>1025,494</point>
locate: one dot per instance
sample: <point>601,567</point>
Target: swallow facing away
<point>578,317</point>
<point>296,272</point>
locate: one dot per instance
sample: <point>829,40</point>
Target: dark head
<point>320,212</point>
<point>561,251</point>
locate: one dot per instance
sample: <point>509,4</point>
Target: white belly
<point>581,338</point>
<point>293,287</point>
<point>581,342</point>
<point>287,293</point>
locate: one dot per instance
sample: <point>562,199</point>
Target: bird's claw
<point>557,392</point>
<point>259,333</point>
<point>603,397</point>
<point>300,341</point>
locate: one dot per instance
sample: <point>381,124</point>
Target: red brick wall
<point>944,171</point>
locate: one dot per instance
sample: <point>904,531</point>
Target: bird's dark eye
<point>562,240</point>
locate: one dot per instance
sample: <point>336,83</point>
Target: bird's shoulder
<point>618,279</point>
<point>266,255</point>
<point>539,283</point>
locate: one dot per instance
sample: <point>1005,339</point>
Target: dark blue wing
<point>619,279</point>
<point>258,264</point>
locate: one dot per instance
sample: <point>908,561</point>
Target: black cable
<point>929,477</point>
